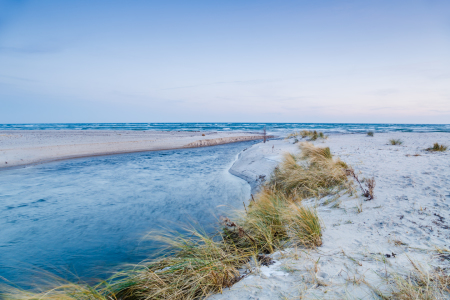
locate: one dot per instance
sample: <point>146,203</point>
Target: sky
<point>370,61</point>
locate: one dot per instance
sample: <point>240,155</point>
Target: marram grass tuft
<point>304,226</point>
<point>437,147</point>
<point>274,221</point>
<point>312,135</point>
<point>395,141</point>
<point>312,174</point>
<point>60,289</point>
<point>420,284</point>
<point>200,266</point>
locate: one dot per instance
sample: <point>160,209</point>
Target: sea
<point>81,219</point>
<point>272,128</point>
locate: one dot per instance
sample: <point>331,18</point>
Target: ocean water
<point>87,216</point>
<point>272,128</point>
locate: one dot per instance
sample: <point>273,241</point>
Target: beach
<point>364,242</point>
<point>24,147</point>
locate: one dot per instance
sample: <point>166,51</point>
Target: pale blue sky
<point>225,61</point>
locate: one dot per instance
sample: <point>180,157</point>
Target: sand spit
<point>364,242</point>
<point>22,147</point>
<point>225,140</point>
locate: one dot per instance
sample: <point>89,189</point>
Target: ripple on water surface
<point>88,215</point>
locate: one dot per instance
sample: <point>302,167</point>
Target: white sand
<point>22,147</point>
<point>411,205</point>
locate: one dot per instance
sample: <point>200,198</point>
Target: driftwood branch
<point>370,184</point>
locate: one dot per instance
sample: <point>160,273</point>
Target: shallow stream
<point>87,216</point>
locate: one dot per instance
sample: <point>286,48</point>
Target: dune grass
<point>199,265</point>
<point>419,284</point>
<point>437,147</point>
<point>305,226</point>
<point>395,141</point>
<point>59,290</point>
<point>314,173</point>
<point>276,217</point>
<point>370,133</point>
<point>264,223</point>
<point>312,135</point>
<point>429,286</point>
<point>274,221</point>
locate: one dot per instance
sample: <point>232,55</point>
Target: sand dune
<point>408,219</point>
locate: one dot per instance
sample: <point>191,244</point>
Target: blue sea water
<point>86,216</point>
<point>272,128</point>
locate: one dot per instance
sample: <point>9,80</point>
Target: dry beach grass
<point>311,174</point>
<point>199,265</point>
<point>395,141</point>
<point>312,135</point>
<point>437,147</point>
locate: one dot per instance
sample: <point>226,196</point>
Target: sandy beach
<point>407,224</point>
<point>363,241</point>
<point>22,147</point>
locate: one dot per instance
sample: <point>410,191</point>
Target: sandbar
<point>25,147</point>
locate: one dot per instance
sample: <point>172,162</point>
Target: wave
<point>272,128</point>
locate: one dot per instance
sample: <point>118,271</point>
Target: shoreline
<point>20,148</point>
<point>256,163</point>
